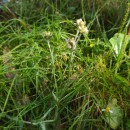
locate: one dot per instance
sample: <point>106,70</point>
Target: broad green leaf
<point>117,42</point>
<point>114,116</point>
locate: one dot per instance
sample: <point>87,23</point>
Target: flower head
<point>72,43</point>
<point>82,26</point>
<point>80,22</point>
<point>47,34</point>
<point>83,30</point>
<point>107,109</point>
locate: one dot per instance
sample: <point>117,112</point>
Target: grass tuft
<point>60,74</point>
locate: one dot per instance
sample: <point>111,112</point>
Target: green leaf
<point>115,117</point>
<point>116,42</point>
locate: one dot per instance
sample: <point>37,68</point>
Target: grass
<point>46,85</point>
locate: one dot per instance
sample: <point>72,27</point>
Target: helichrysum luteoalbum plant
<point>81,29</point>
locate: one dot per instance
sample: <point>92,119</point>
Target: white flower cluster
<point>82,26</point>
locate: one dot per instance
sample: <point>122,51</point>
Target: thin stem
<point>53,63</point>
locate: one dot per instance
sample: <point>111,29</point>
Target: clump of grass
<point>45,84</point>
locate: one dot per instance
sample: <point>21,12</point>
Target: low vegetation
<point>65,65</point>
